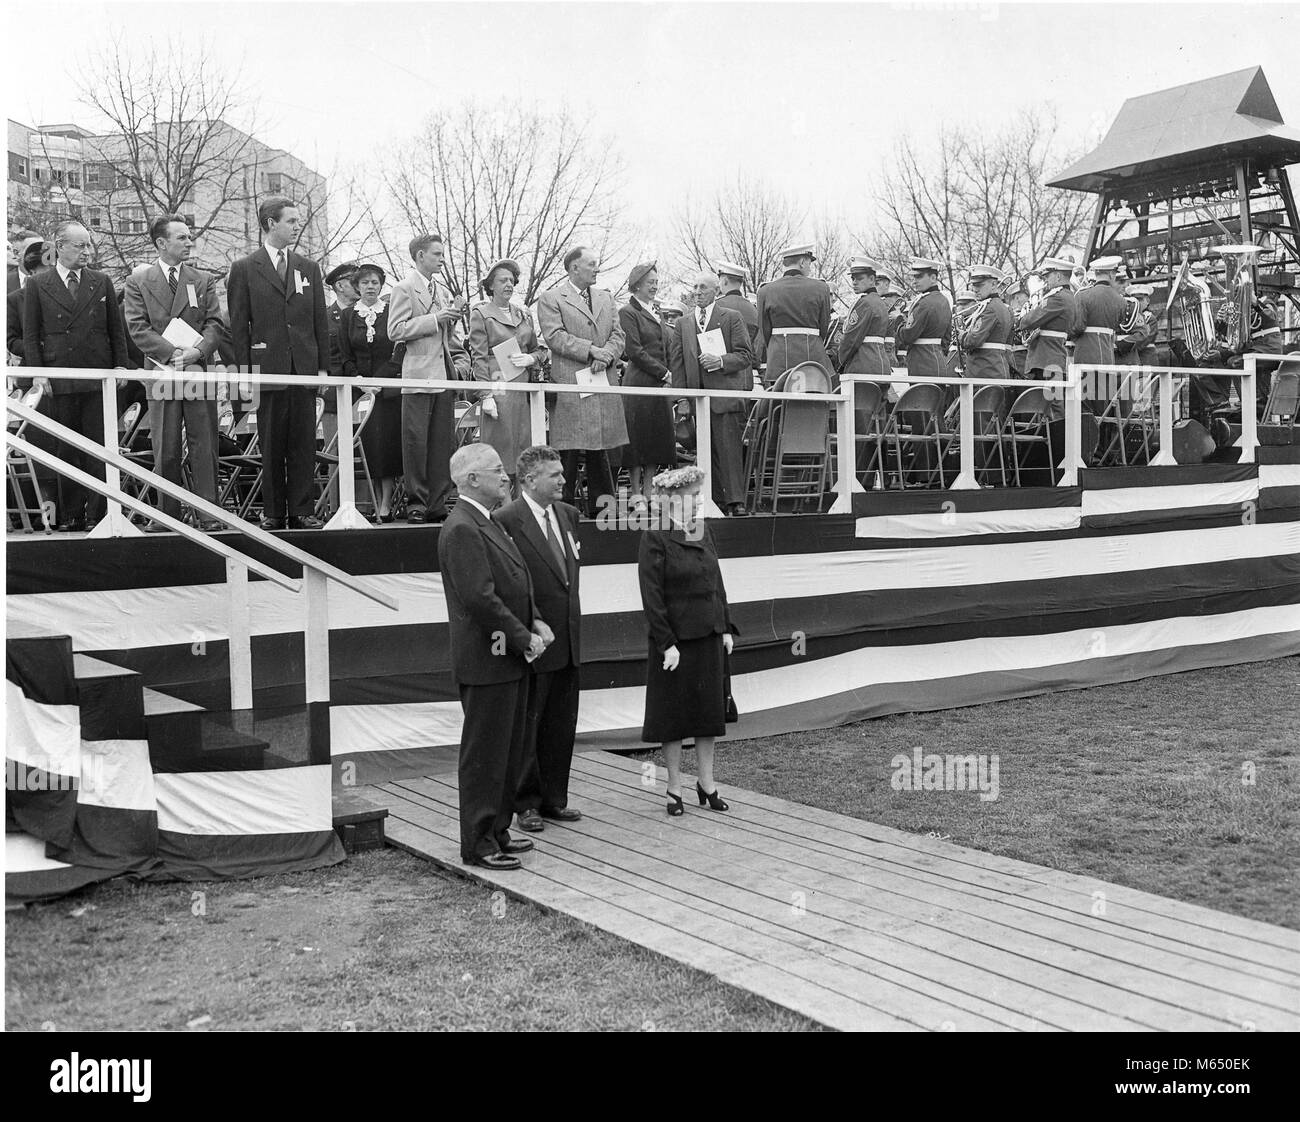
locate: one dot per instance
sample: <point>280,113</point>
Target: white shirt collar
<point>539,512</point>
<point>274,254</point>
<point>477,505</point>
<point>63,272</point>
<point>164,267</point>
<point>708,312</point>
<point>649,309</point>
<point>578,292</point>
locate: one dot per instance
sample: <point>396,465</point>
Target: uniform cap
<point>862,265</point>
<point>977,271</point>
<point>924,264</point>
<point>966,296</point>
<point>341,272</point>
<point>1061,264</point>
<point>731,269</point>
<point>1140,290</point>
<point>676,306</point>
<point>1106,264</point>
<point>798,249</point>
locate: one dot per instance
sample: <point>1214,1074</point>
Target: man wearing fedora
<point>794,314</point>
<point>172,289</point>
<point>581,327</point>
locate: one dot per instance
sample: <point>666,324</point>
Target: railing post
<point>347,517</point>
<point>704,455</point>
<point>1249,439</point>
<point>316,635</point>
<point>1072,460</point>
<point>115,523</point>
<point>537,412</point>
<point>846,448</point>
<point>1165,456</point>
<point>240,636</point>
<point>965,480</point>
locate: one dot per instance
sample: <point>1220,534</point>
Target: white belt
<point>1267,331</point>
<point>1096,331</point>
<point>1053,334</point>
<point>795,331</point>
<point>926,342</point>
<point>994,347</point>
<point>880,338</point>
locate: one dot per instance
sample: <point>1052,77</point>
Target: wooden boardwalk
<point>859,926</point>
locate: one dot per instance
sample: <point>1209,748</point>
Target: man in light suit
<point>494,634</point>
<point>278,325</point>
<point>581,327</point>
<point>546,532</point>
<point>71,318</point>
<point>420,318</point>
<point>731,370</point>
<point>155,295</point>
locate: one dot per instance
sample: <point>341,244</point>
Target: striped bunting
<point>1279,478</point>
<point>1124,496</point>
<point>929,515</point>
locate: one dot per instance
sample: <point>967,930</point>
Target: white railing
<point>316,573</point>
<point>1168,381</point>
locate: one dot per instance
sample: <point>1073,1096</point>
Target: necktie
<point>73,282</point>
<point>700,314</point>
<point>587,294</point>
<point>282,266</point>
<point>171,279</point>
<point>554,541</point>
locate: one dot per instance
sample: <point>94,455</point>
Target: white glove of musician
<point>489,408</point>
<point>672,656</point>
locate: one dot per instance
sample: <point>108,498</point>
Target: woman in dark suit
<point>367,352</point>
<point>506,421</point>
<point>691,634</point>
<point>651,439</point>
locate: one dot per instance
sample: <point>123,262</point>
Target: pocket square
<point>573,545</point>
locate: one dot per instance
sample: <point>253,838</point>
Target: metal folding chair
<point>25,496</point>
<point>328,460</point>
<point>1027,427</point>
<point>913,431</point>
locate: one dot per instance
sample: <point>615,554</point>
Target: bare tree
<point>746,222</point>
<point>509,181</point>
<point>978,198</point>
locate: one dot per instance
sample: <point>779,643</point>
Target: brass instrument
<point>1235,319</point>
<point>1192,298</point>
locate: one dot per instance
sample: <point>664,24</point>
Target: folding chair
<point>327,461</point>
<point>467,424</point>
<point>868,428</point>
<point>756,440</point>
<point>989,409</point>
<point>1027,427</point>
<point>25,496</point>
<point>791,464</point>
<point>242,471</point>
<point>1284,401</point>
<point>914,425</point>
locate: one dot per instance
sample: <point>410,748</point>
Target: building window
<point>130,220</point>
<point>17,167</point>
<point>74,180</point>
<point>36,175</point>
<point>274,182</point>
<point>92,176</point>
<point>93,217</point>
<point>189,220</point>
<point>57,173</point>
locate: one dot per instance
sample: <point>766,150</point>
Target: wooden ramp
<point>859,926</point>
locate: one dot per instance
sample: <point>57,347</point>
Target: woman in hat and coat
<point>651,437</point>
<point>690,634</point>
<point>506,422</point>
<point>366,351</point>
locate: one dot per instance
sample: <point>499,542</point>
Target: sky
<point>808,96</point>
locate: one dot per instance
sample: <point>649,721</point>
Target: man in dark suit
<point>546,533</point>
<point>71,318</point>
<point>155,295</point>
<point>494,634</point>
<point>278,325</point>
<point>731,370</point>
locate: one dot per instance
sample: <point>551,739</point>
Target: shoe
<point>498,861</point>
<point>737,510</point>
<point>715,801</point>
<point>531,821</point>
<point>72,526</point>
<point>561,813</point>
<point>675,808</point>
<point>306,522</point>
<point>212,526</point>
<point>416,516</point>
<point>518,845</point>
<point>152,527</point>
<point>272,523</point>
<point>385,518</point>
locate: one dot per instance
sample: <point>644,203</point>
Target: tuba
<point>1234,320</point>
<point>1192,297</point>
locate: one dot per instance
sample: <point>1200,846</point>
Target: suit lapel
<point>543,547</point>
<point>59,290</point>
<point>578,302</point>
<point>268,270</point>
<point>88,291</point>
<point>181,300</point>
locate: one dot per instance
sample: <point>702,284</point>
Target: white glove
<point>489,408</point>
<point>522,360</point>
<point>728,641</point>
<point>671,658</point>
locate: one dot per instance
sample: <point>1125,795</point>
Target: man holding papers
<point>711,350</point>
<point>580,326</point>
<point>174,317</point>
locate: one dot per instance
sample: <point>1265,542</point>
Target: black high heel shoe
<point>675,808</point>
<point>715,801</point>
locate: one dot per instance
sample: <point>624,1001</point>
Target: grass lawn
<point>1140,783</point>
<point>385,941</point>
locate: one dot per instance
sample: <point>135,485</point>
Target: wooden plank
<point>819,1003</point>
<point>975,860</point>
<point>1058,972</point>
<point>1156,932</point>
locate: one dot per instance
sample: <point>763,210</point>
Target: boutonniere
<point>300,283</point>
<point>573,545</point>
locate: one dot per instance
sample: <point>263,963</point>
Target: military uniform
<point>1046,328</point>
<point>986,342</point>
<point>1100,310</point>
<point>745,307</point>
<point>794,316</point>
<point>926,333</point>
